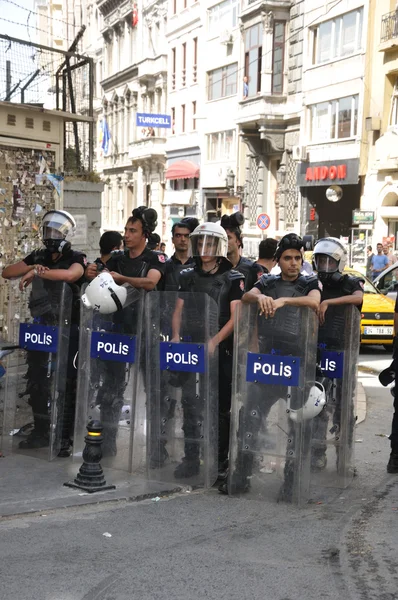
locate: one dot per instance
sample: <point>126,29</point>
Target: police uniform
<point>172,272</point>
<point>251,270</point>
<point>331,335</point>
<point>111,392</point>
<point>38,386</point>
<point>283,339</point>
<point>224,286</point>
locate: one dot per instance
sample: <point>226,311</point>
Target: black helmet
<point>233,223</point>
<point>148,218</point>
<point>291,241</point>
<point>190,223</point>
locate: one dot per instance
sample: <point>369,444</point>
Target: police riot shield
<point>274,399</point>
<point>182,388</point>
<point>332,449</point>
<point>36,385</point>
<point>110,375</point>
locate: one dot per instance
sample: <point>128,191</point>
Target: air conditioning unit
<point>299,153</point>
<point>226,37</point>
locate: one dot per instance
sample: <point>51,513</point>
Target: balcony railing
<point>389,26</point>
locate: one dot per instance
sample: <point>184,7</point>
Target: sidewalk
<point>30,485</point>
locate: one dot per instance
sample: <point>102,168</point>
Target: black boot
<point>35,440</point>
<point>189,467</point>
<point>392,466</point>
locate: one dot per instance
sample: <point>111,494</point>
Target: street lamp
<point>230,182</point>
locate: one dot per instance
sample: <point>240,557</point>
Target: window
<point>173,68</point>
<point>185,3</point>
<point>222,82</point>
<point>253,58</point>
<point>338,37</point>
<point>222,16</point>
<point>337,119</point>
<point>194,115</point>
<point>174,7</point>
<point>221,145</point>
<point>173,121</point>
<point>182,118</point>
<point>184,64</point>
<point>278,57</point>
<point>394,105</point>
<point>195,60</point>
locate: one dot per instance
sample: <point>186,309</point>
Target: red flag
<point>134,19</point>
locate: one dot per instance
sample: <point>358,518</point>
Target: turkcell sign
<point>112,346</point>
<point>182,357</point>
<point>149,120</point>
<point>39,338</point>
<point>332,363</point>
<point>273,369</point>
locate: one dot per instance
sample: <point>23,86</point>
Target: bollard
<point>90,477</point>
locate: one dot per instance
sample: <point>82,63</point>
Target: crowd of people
<point>207,258</point>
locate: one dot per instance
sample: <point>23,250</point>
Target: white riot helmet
<point>209,239</point>
<point>313,406</point>
<point>329,257</point>
<point>104,295</point>
<point>56,226</point>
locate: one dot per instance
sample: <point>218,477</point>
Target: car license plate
<point>378,330</point>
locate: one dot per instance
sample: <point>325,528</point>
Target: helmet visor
<point>208,245</point>
<point>49,233</point>
<point>58,221</point>
<point>325,264</point>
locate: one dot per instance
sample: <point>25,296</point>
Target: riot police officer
<point>180,233</point>
<point>251,270</point>
<point>141,268</point>
<point>212,273</point>
<point>339,290</point>
<point>110,242</point>
<point>271,293</point>
<point>57,262</point>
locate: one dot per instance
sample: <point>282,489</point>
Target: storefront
<point>330,192</point>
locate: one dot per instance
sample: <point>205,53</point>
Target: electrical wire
<point>45,16</point>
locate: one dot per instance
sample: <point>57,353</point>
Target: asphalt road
<point>203,545</point>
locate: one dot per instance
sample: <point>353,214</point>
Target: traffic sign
<point>263,221</point>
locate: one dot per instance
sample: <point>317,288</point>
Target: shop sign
<point>363,217</point>
<point>343,172</point>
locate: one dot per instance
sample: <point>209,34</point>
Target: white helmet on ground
<point>330,256</point>
<point>104,295</point>
<point>313,406</point>
<point>209,239</point>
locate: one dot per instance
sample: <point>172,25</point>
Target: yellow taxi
<point>377,318</point>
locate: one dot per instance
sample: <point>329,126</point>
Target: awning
<point>182,169</point>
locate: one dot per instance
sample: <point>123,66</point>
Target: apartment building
<point>134,81</point>
<point>380,197</point>
<point>332,151</point>
<point>185,104</point>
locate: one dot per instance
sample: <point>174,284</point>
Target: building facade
<point>380,198</point>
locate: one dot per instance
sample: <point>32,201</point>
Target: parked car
<point>387,281</point>
<point>377,317</point>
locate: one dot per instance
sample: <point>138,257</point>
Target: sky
<point>19,14</point>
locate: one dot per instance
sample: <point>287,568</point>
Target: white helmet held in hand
<point>313,406</point>
<point>209,239</point>
<point>104,295</point>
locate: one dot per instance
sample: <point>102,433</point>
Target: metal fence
<point>36,74</point>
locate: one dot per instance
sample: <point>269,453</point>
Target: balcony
<point>152,67</point>
<point>147,149</point>
<point>389,32</point>
<point>261,107</point>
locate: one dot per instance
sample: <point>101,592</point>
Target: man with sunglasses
<point>181,259</point>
